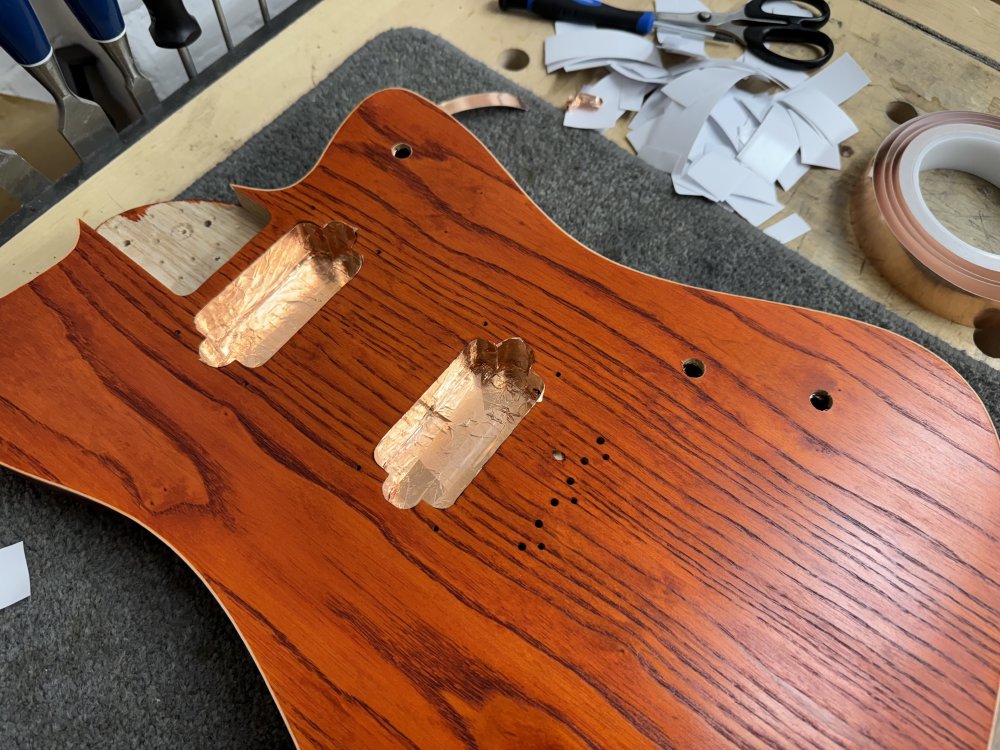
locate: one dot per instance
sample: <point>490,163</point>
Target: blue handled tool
<point>82,122</point>
<point>102,20</point>
<point>752,26</point>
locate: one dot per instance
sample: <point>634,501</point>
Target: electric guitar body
<point>726,523</point>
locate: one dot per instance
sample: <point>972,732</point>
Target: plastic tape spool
<point>901,235</point>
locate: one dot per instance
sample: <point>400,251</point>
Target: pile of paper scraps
<point>715,139</point>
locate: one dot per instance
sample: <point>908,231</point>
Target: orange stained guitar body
<point>726,565</point>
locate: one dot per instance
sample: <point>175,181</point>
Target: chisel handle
<point>21,33</point>
<point>172,26</point>
<point>586,11</point>
<point>102,19</point>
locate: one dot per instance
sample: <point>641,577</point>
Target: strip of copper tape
<point>481,101</point>
<point>963,286</point>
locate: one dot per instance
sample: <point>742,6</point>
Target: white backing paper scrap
<point>15,584</point>
<point>788,229</point>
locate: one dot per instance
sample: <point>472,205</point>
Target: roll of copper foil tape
<point>905,241</point>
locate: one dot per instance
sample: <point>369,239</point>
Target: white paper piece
<point>758,105</point>
<point>640,71</point>
<point>786,8</point>
<point>731,116</point>
<point>598,45</point>
<point>772,146</point>
<point>710,138</point>
<point>794,171</point>
<point>821,112</point>
<point>787,77</point>
<point>568,27</point>
<point>631,93</point>
<point>788,229</point>
<point>719,173</point>
<point>840,80</point>
<point>15,584</point>
<point>756,212</point>
<point>814,148</point>
<point>690,87</point>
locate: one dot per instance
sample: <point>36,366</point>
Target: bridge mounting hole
<point>821,401</point>
<point>541,545</point>
<point>522,546</point>
<point>570,480</point>
<point>514,59</point>
<point>900,111</point>
<point>601,441</point>
<point>538,523</point>
<point>584,460</point>
<point>693,368</point>
<point>554,502</point>
<point>573,500</point>
<point>402,151</point>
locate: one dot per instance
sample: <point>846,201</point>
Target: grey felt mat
<point>120,645</point>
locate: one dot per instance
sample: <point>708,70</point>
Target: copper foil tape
<point>901,235</point>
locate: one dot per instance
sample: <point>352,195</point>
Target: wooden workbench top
<point>932,55</point>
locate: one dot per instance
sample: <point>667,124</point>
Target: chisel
<point>20,179</point>
<point>172,27</point>
<point>82,123</point>
<point>102,19</point>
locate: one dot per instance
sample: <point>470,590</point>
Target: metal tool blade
<point>19,178</point>
<point>82,123</point>
<point>138,86</point>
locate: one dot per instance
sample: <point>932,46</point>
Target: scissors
<point>752,26</point>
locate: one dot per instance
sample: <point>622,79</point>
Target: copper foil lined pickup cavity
<point>263,307</point>
<point>439,446</point>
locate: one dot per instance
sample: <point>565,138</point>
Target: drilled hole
<point>522,546</point>
<point>606,456</point>
<point>402,151</point>
<point>821,400</point>
<point>846,151</point>
<point>128,243</point>
<point>436,529</point>
<point>570,480</point>
<point>554,502</point>
<point>541,545</point>
<point>900,111</point>
<point>584,460</point>
<point>558,455</point>
<point>573,500</point>
<point>486,324</point>
<point>601,441</point>
<point>538,523</point>
<point>987,333</point>
<point>208,222</point>
<point>693,368</point>
<point>357,467</point>
<point>514,59</point>
<point>558,374</point>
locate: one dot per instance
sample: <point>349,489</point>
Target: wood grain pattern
<point>724,565</point>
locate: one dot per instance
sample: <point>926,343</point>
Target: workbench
<point>928,55</point>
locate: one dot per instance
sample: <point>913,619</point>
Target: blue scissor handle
<point>102,19</point>
<point>21,33</point>
<point>585,11</point>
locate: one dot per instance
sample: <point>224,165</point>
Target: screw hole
<point>606,456</point>
<point>573,500</point>
<point>584,460</point>
<point>538,523</point>
<point>486,324</point>
<point>558,455</point>
<point>402,151</point>
<point>357,467</point>
<point>514,59</point>
<point>821,400</point>
<point>900,111</point>
<point>846,151</point>
<point>541,545</point>
<point>128,243</point>
<point>554,502</point>
<point>208,222</point>
<point>570,480</point>
<point>601,441</point>
<point>522,546</point>
<point>558,374</point>
<point>436,529</point>
<point>693,368</point>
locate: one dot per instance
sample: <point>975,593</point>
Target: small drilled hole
<point>693,368</point>
<point>514,59</point>
<point>208,222</point>
<point>538,523</point>
<point>584,460</point>
<point>573,500</point>
<point>522,546</point>
<point>554,502</point>
<point>402,151</point>
<point>558,374</point>
<point>846,151</point>
<point>606,456</point>
<point>486,323</point>
<point>541,545</point>
<point>601,441</point>
<point>128,243</point>
<point>436,529</point>
<point>821,400</point>
<point>900,111</point>
<point>570,480</point>
<point>357,467</point>
<point>558,455</point>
